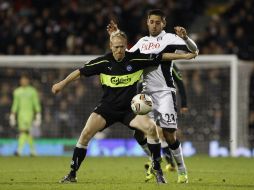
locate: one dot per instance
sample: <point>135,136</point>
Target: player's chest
<point>152,46</point>
<point>120,68</point>
<point>25,95</point>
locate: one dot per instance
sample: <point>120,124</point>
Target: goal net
<point>218,99</point>
<point>217,92</point>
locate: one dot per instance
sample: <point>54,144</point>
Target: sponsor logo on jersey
<point>120,80</point>
<point>150,46</point>
<point>159,38</point>
<point>129,68</point>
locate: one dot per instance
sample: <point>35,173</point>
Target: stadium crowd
<point>75,27</point>
<point>78,27</point>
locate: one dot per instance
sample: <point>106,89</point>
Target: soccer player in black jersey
<point>119,73</point>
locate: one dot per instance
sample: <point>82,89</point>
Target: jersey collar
<point>163,32</point>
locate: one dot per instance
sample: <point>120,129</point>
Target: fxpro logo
<point>150,46</point>
<point>120,80</point>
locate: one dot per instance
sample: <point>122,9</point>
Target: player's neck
<point>154,36</point>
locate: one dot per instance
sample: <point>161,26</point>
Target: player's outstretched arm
<point>60,85</point>
<point>175,56</point>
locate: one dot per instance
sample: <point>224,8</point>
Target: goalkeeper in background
<point>25,108</point>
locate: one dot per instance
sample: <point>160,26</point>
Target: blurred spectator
<point>229,31</point>
<point>79,27</point>
<point>65,120</point>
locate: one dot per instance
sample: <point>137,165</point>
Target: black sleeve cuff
<point>81,70</point>
<point>156,57</point>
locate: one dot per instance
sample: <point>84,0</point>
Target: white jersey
<point>159,78</point>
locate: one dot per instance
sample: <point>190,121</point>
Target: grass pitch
<point>125,173</point>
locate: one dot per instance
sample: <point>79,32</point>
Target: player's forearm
<point>191,45</point>
<point>71,77</point>
<point>60,85</point>
<point>175,56</point>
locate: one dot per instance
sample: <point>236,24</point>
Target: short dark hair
<point>157,12</point>
<point>25,75</point>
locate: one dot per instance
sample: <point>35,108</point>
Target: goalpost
<point>217,92</point>
<point>238,90</point>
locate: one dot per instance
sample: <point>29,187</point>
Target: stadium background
<point>66,27</point>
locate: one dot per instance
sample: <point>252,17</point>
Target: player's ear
<point>164,22</point>
<point>110,45</point>
<point>147,21</point>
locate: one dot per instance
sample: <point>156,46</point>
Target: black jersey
<point>177,76</point>
<point>119,78</point>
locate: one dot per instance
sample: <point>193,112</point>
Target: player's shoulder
<point>104,57</point>
<point>133,54</point>
<point>139,43</point>
<point>143,39</point>
<point>170,35</point>
<point>32,89</point>
<point>101,59</point>
<point>17,90</point>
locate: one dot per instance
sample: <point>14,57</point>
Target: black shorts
<point>112,116</point>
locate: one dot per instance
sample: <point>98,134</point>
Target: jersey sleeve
<point>135,47</point>
<point>145,60</point>
<point>36,101</point>
<point>179,82</point>
<point>14,107</point>
<point>94,67</point>
<point>176,40</point>
<point>176,43</point>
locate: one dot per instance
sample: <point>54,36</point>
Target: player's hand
<point>57,87</point>
<point>37,121</point>
<point>181,32</point>
<point>12,120</point>
<point>191,55</point>
<point>112,27</point>
<point>183,110</point>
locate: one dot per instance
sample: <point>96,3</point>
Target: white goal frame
<point>228,61</point>
<point>204,61</point>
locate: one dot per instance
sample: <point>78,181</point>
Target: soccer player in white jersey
<point>158,81</point>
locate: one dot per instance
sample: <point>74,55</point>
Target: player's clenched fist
<point>181,32</point>
<point>57,87</point>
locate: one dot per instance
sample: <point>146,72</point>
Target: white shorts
<point>164,110</point>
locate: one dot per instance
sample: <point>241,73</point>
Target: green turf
<point>126,173</point>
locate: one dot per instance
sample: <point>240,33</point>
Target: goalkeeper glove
<point>37,121</point>
<point>12,120</point>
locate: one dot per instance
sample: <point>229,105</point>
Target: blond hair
<point>118,33</point>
